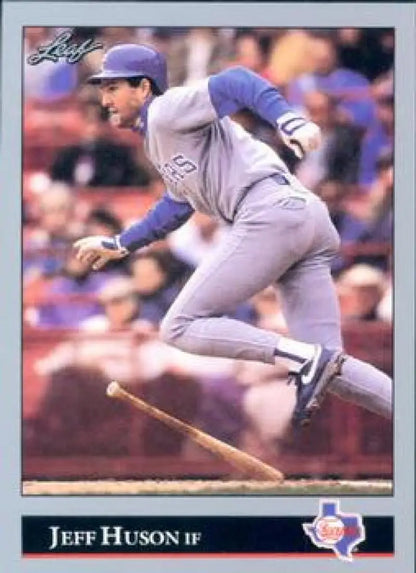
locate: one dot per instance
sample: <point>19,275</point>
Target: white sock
<point>294,350</point>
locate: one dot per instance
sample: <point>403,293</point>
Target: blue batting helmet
<point>133,61</point>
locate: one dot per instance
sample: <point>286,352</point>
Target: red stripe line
<point>197,555</point>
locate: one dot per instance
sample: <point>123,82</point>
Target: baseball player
<point>281,233</point>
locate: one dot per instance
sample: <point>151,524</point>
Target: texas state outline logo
<point>333,529</point>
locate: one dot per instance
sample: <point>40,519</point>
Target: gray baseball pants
<point>283,237</point>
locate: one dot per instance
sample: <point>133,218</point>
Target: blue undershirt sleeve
<point>238,88</point>
<point>166,216</point>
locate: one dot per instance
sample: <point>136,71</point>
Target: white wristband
<point>289,122</point>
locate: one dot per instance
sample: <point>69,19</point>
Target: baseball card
<point>208,245</point>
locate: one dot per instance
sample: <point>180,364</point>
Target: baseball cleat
<point>312,382</point>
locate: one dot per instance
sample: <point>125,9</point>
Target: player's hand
<point>298,133</point>
<point>97,251</point>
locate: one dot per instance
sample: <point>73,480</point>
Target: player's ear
<point>146,84</point>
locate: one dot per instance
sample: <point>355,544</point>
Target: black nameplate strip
<point>183,535</point>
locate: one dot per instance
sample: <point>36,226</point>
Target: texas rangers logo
<point>332,529</point>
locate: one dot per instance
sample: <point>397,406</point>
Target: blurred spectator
<point>268,406</point>
<point>97,161</point>
<point>368,51</point>
<point>200,45</point>
<point>380,137</point>
<point>339,153</point>
<point>156,282</point>
<point>383,85</point>
<point>54,231</point>
<point>381,199</point>
<point>267,312</point>
<point>248,52</point>
<point>350,89</point>
<point>121,308</point>
<point>196,239</point>
<point>361,289</point>
<point>46,80</point>
<point>351,229</point>
<point>73,297</point>
<point>385,306</point>
<point>205,53</point>
<point>380,216</point>
<point>289,57</point>
<point>118,344</point>
<point>102,221</point>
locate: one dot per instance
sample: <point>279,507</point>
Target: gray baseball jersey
<point>206,161</point>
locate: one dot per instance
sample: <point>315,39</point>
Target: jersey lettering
<point>186,164</point>
<point>177,169</point>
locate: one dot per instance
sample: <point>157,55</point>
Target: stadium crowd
<point>82,176</point>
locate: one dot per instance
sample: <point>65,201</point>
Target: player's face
<point>123,101</point>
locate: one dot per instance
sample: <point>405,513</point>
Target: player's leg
<point>310,306</point>
<point>268,236</point>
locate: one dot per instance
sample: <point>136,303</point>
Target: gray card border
<point>401,504</point>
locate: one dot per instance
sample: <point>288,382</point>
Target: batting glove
<point>97,251</point>
<point>298,133</point>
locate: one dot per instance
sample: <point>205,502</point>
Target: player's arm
<point>238,88</point>
<point>165,216</point>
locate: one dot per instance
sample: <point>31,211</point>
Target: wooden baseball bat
<point>240,460</point>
